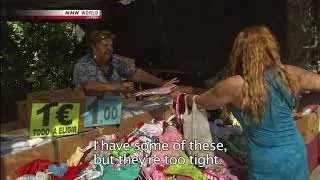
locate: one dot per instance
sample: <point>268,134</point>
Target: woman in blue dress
<point>261,93</point>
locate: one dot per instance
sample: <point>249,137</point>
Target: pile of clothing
<point>82,165</point>
<point>232,138</point>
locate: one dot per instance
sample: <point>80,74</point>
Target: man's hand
<point>127,87</point>
<point>171,82</point>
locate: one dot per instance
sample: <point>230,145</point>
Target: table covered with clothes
<point>94,161</point>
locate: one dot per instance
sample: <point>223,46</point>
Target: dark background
<point>192,36</point>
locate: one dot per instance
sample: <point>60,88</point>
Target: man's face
<point>104,49</point>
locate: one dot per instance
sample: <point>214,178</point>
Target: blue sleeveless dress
<point>276,150</point>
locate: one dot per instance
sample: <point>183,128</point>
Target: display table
<point>60,148</point>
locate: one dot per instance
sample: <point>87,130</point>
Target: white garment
<point>17,145</point>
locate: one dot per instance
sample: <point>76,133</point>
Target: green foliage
<point>36,56</point>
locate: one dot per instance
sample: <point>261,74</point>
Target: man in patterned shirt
<point>100,72</point>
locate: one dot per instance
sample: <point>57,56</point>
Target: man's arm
<point>139,75</point>
<point>92,87</point>
<point>146,77</point>
<point>226,92</point>
<point>308,81</point>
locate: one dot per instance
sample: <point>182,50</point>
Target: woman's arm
<point>308,81</point>
<point>226,92</point>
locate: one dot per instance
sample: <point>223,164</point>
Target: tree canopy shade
<point>36,56</point>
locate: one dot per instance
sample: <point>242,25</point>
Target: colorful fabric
<point>235,168</point>
<point>152,173</point>
<point>219,172</point>
<point>170,136</point>
<point>75,158</point>
<point>91,173</point>
<point>309,109</point>
<point>276,149</point>
<point>183,178</point>
<point>72,172</point>
<point>39,176</point>
<point>122,152</point>
<point>152,130</point>
<point>180,107</point>
<point>87,69</point>
<point>186,169</point>
<point>211,175</point>
<point>130,172</point>
<point>236,149</point>
<point>58,170</point>
<point>34,166</point>
<point>155,171</point>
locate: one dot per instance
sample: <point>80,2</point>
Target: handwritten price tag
<point>102,111</point>
<point>54,119</point>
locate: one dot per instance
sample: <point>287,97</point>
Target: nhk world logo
<point>61,14</point>
<point>82,12</point>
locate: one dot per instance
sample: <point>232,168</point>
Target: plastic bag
<point>196,127</point>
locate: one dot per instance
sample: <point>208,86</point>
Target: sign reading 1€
<point>54,119</point>
<point>101,111</point>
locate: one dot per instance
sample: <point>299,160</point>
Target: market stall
<point>150,121</point>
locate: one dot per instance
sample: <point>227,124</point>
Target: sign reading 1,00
<point>110,111</point>
<point>102,111</point>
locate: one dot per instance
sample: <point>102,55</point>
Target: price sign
<point>54,119</point>
<point>102,111</point>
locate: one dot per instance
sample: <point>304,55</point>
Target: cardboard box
<point>66,146</point>
<point>22,111</point>
<point>319,149</point>
<point>63,95</point>
<point>318,114</point>
<point>308,126</point>
<point>59,149</point>
<point>127,125</point>
<point>313,153</point>
<point>11,162</point>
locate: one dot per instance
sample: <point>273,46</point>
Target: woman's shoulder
<point>232,86</point>
<point>234,81</point>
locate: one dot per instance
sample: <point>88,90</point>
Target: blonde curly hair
<point>255,49</point>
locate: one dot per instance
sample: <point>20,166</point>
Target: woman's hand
<point>297,115</point>
<point>174,95</point>
<point>171,82</point>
